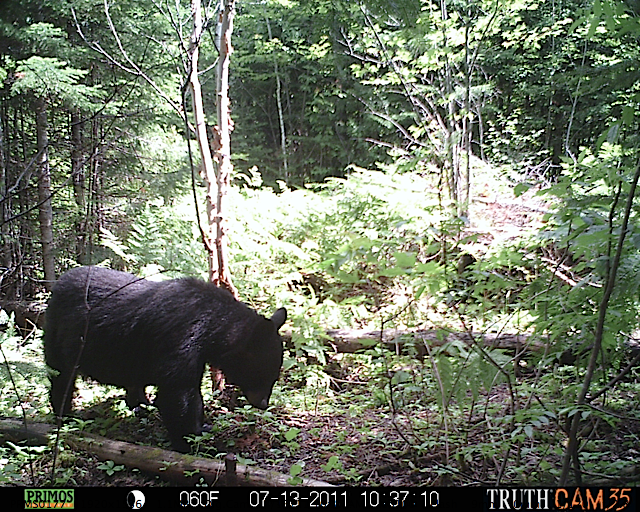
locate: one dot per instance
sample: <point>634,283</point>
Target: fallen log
<point>29,315</point>
<point>174,467</point>
<point>352,340</point>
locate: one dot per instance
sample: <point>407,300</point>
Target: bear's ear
<point>279,318</point>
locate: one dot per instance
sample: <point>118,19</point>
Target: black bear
<point>126,331</point>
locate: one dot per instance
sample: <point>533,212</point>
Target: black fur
<point>138,333</point>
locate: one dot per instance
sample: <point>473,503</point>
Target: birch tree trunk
<point>283,134</point>
<point>216,241</point>
<point>208,170</point>
<point>222,155</point>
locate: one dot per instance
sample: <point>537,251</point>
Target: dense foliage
<point>465,168</point>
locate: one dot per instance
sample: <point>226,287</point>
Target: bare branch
<point>132,68</point>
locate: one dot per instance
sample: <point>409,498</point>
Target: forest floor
<point>375,447</point>
<point>370,445</point>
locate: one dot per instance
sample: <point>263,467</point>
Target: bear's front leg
<point>182,413</point>
<point>136,396</point>
<point>63,382</point>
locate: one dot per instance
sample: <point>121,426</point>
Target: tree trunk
<point>223,147</point>
<point>45,211</point>
<point>451,144</point>
<point>6,252</point>
<point>94,198</point>
<point>77,166</point>
<point>208,170</point>
<point>465,188</point>
<point>78,177</point>
<point>283,134</point>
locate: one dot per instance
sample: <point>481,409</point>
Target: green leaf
<point>628,114</point>
<point>405,259</point>
<point>332,463</point>
<point>521,188</point>
<point>291,434</point>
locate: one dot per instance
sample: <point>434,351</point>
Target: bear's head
<point>255,367</point>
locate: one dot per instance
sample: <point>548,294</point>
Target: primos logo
<point>48,498</point>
